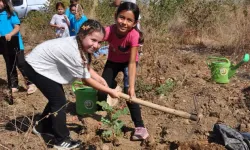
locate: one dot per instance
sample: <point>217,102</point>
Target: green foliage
<point>37,21</point>
<point>110,123</point>
<point>166,87</point>
<point>200,13</point>
<point>161,11</point>
<point>142,87</point>
<point>105,13</point>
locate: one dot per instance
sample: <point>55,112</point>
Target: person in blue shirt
<point>77,20</point>
<point>68,13</point>
<point>9,27</point>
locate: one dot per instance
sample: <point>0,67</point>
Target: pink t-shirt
<point>120,48</point>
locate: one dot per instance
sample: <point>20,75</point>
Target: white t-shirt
<point>60,20</point>
<point>132,1</point>
<point>59,60</point>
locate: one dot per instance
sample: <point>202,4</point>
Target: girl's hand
<point>8,37</point>
<point>62,28</point>
<point>114,94</point>
<point>58,27</point>
<point>65,17</point>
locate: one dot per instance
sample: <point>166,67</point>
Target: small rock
<point>162,96</point>
<point>105,147</point>
<point>116,142</point>
<point>176,96</point>
<point>207,134</point>
<point>179,83</point>
<point>186,121</point>
<point>151,142</point>
<point>248,125</point>
<point>243,126</point>
<point>214,114</point>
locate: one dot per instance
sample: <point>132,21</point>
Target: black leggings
<point>11,62</point>
<point>54,92</point>
<point>110,72</point>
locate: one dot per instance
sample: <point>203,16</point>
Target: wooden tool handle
<point>161,108</point>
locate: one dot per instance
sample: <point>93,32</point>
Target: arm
<point>54,25</point>
<point>98,86</point>
<point>13,32</point>
<point>132,71</point>
<point>67,20</point>
<point>97,77</point>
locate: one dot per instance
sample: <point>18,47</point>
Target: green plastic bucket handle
<point>74,83</point>
<point>246,58</point>
<point>211,58</point>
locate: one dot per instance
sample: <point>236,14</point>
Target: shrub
<point>166,87</point>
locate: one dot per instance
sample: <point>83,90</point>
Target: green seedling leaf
<point>166,87</point>
<point>117,114</point>
<point>118,124</point>
<point>105,106</point>
<point>107,134</point>
<point>105,121</point>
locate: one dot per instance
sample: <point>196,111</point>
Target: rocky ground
<point>193,92</point>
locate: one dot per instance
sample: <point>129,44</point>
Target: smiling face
<point>125,21</point>
<point>92,41</point>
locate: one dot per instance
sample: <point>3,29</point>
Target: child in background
<point>61,61</point>
<point>68,12</point>
<point>60,21</point>
<point>9,27</point>
<point>123,38</point>
<point>77,20</point>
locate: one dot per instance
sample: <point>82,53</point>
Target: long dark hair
<point>87,28</point>
<point>8,8</point>
<point>128,6</point>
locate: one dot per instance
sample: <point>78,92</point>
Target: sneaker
<point>67,144</point>
<point>141,133</point>
<point>31,89</point>
<point>35,131</point>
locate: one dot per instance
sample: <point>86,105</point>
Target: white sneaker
<point>67,144</point>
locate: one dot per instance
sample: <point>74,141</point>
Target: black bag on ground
<point>230,138</point>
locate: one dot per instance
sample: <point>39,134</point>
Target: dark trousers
<point>54,92</point>
<point>11,61</point>
<point>110,72</point>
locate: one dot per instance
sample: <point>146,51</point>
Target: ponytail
<point>141,36</point>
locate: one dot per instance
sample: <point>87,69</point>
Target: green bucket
<point>86,98</point>
<point>219,69</point>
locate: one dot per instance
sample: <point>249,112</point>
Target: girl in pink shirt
<point>123,38</point>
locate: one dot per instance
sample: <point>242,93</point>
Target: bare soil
<point>194,93</point>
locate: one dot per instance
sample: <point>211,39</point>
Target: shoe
<point>67,144</point>
<point>35,131</point>
<point>31,89</point>
<point>141,133</point>
<point>14,90</point>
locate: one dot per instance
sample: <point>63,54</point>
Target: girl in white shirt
<point>61,61</point>
<point>60,21</point>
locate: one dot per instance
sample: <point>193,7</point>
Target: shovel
<point>182,114</point>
